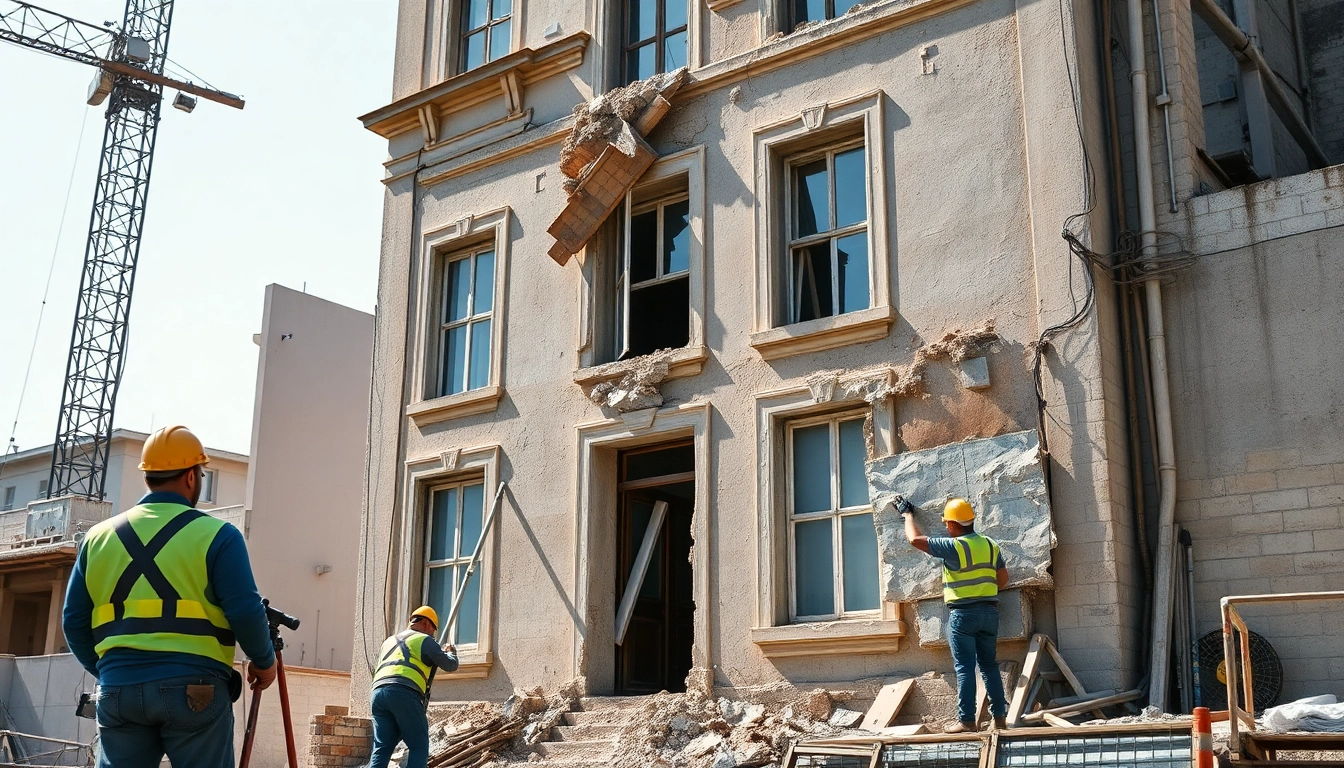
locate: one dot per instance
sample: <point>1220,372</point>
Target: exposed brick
<point>1286,543</point>
<point>1261,522</point>
<point>1225,506</point>
<point>1305,477</point>
<point>1251,483</point>
<point>1280,500</point>
<point>337,710</point>
<point>1310,519</point>
<point>1261,461</point>
<point>1235,568</point>
<point>1278,565</point>
<point>1327,496</point>
<point>1320,562</point>
<point>1328,540</point>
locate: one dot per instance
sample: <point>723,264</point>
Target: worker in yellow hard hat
<point>159,597</point>
<point>973,574</point>
<point>401,683</point>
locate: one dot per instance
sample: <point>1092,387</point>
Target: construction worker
<point>158,598</point>
<point>973,574</point>
<point>400,696</point>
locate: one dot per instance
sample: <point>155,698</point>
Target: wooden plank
<point>1056,721</point>
<point>1025,679</point>
<point>1035,693</point>
<point>903,730</point>
<point>637,571</point>
<point>1062,700</point>
<point>887,705</point>
<point>1083,706</point>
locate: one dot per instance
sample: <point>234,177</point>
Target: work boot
<point>961,727</point>
<point>1000,723</point>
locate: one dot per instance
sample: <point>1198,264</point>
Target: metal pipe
<point>1245,50</point>
<point>1303,86</point>
<point>1157,348</point>
<point>1164,101</point>
<point>471,567</point>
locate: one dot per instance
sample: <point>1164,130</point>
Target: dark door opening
<point>656,653</point>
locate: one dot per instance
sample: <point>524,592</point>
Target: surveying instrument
<point>275,619</point>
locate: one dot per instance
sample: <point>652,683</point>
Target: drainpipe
<point>1245,50</point>
<point>1157,350</point>
<point>1164,101</point>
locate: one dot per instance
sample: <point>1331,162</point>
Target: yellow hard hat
<point>428,613</point>
<point>958,511</point>
<point>172,449</point>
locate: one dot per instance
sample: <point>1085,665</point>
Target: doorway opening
<point>655,653</point>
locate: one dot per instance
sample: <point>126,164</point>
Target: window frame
<point>811,132</point>
<point>438,246</point>
<point>792,243</point>
<point>209,485</point>
<point>462,559</point>
<point>7,503</point>
<point>624,287</point>
<point>791,13</point>
<point>659,39</point>
<point>470,319</point>
<point>462,32</point>
<point>835,515</point>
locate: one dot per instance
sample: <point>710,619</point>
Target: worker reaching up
<point>158,598</point>
<point>401,683</point>
<point>973,574</point>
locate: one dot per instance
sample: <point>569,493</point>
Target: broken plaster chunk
<point>974,373</point>
<point>637,389</point>
<point>844,718</point>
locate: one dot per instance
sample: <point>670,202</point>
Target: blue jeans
<point>139,724</point>
<point>399,715</point>
<point>973,632</point>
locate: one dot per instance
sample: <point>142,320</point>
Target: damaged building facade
<point>811,236</point>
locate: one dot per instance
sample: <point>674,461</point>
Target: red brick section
<point>601,190</point>
<point>336,740</point>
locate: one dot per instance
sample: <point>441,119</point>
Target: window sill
<point>468,403</point>
<point>833,638</point>
<point>681,363</point>
<point>824,333</point>
<point>470,666</point>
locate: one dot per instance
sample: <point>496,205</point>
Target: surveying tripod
<point>275,619</point>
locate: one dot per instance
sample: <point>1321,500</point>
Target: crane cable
<point>10,446</point>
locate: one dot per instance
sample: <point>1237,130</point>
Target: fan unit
<point>1266,671</point>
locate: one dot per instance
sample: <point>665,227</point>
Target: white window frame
<point>423,474</point>
<point>831,236</point>
<point>42,489</point>
<point>445,48</point>
<point>438,246</point>
<point>471,318</point>
<point>463,557</point>
<point>624,288</point>
<point>10,491</point>
<point>814,130</point>
<point>209,485</point>
<point>834,515</point>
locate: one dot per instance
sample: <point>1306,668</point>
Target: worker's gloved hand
<point>904,507</point>
<point>260,679</point>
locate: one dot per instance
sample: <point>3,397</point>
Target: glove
<point>903,506</point>
<point>261,679</point>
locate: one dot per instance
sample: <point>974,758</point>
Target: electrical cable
<point>10,447</point>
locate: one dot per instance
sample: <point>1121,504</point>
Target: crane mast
<point>131,77</point>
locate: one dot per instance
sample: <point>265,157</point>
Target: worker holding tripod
<point>401,683</point>
<point>158,599</point>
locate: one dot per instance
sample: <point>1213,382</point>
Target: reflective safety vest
<point>145,570</point>
<point>400,657</point>
<point>976,575</point>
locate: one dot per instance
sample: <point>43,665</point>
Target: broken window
<point>485,32</point>
<point>655,37</point>
<point>468,290</point>
<point>832,541</point>
<point>828,233</point>
<point>452,529</point>
<point>652,286</point>
<point>812,11</point>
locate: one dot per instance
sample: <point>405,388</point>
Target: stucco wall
<point>983,168</point>
<point>308,444</point>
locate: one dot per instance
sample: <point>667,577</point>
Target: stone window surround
<point>773,634</point>
<point>690,359</point>
<point>445,43</point>
<point>421,475</point>
<point>464,233</point>
<point>813,128</point>
<point>596,494</point>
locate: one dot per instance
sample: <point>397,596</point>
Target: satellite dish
<point>1266,671</point>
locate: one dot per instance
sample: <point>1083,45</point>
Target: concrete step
<point>615,717</point>
<point>600,732</point>
<point>571,751</point>
<point>589,703</point>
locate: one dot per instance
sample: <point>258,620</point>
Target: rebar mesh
<point>948,754</point>
<point>1148,750</point>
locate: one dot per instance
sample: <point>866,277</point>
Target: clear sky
<point>285,191</point>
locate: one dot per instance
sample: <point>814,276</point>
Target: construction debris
<point>638,388</point>
<point>955,346</point>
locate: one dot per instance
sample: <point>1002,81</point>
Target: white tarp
<point>1317,714</point>
<point>1000,476</point>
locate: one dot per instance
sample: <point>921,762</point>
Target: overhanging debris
<point>1000,476</point>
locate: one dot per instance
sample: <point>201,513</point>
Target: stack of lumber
<point>475,746</point>
<point>1028,707</point>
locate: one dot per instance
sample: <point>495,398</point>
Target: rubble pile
<point>608,118</point>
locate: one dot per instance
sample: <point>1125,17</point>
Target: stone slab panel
<point>1001,477</point>
<point>1014,619</point>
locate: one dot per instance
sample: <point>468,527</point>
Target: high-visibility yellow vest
<point>146,572</point>
<point>976,575</point>
<point>400,657</point>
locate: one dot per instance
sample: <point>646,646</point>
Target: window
<point>655,37</point>
<point>453,527</point>
<point>208,479</point>
<point>819,10</point>
<point>485,31</point>
<point>9,499</point>
<point>828,233</point>
<point>41,489</point>
<point>652,302</point>
<point>832,541</point>
<point>464,331</point>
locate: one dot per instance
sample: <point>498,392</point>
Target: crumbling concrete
<point>956,346</point>
<point>1000,476</point>
<point>637,389</point>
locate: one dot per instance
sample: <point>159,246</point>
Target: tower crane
<point>130,59</point>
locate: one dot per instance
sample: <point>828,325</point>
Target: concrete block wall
<point>1269,210</point>
<point>1323,38</point>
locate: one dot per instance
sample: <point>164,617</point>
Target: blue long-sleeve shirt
<point>232,588</point>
